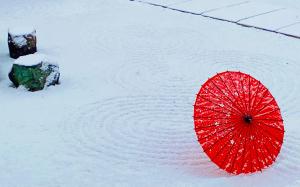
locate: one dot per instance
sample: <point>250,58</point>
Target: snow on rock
<point>54,75</point>
<point>21,42</point>
<point>19,34</point>
<point>31,60</point>
<point>34,72</point>
<point>111,126</point>
<point>17,31</point>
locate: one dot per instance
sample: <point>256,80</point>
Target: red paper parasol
<point>238,123</point>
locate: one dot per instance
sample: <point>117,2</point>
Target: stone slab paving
<point>244,11</point>
<point>251,13</point>
<point>293,30</point>
<point>164,2</point>
<point>202,6</point>
<point>276,20</point>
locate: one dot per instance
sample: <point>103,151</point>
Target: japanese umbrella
<point>238,123</point>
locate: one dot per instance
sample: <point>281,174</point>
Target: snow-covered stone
<point>17,31</point>
<point>31,60</point>
<point>21,42</point>
<point>34,72</point>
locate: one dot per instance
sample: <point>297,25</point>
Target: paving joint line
<point>286,26</point>
<point>227,6</point>
<point>264,13</point>
<point>221,19</point>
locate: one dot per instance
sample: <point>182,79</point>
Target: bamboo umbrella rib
<point>218,98</point>
<point>264,106</point>
<point>242,80</point>
<point>225,144</point>
<point>266,131</point>
<point>265,124</point>
<point>255,96</point>
<point>228,153</point>
<point>226,96</point>
<point>262,97</point>
<point>270,138</point>
<point>230,91</point>
<point>222,124</point>
<point>216,104</point>
<point>266,148</point>
<point>223,137</point>
<point>230,77</point>
<point>267,113</point>
<point>262,150</point>
<point>220,130</point>
<point>255,148</point>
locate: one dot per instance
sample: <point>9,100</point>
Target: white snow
<point>54,73</point>
<point>122,115</point>
<point>18,34</point>
<point>21,30</point>
<point>20,41</point>
<point>31,60</point>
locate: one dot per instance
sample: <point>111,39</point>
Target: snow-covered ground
<point>122,115</point>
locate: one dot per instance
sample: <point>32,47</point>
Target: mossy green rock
<point>34,77</point>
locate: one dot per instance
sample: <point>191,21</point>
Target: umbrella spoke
<point>263,95</point>
<point>255,96</point>
<point>239,106</point>
<point>256,148</point>
<point>242,82</point>
<point>218,98</point>
<point>238,94</point>
<point>267,119</point>
<point>270,136</point>
<point>224,83</point>
<point>228,153</point>
<point>249,144</point>
<point>208,126</point>
<point>268,132</point>
<point>264,106</point>
<point>262,144</point>
<point>265,124</point>
<point>218,131</point>
<point>267,113</point>
<point>244,151</point>
<point>249,89</point>
<point>238,127</point>
<point>227,142</point>
<point>230,77</point>
<point>213,110</point>
<point>270,153</point>
<point>238,123</point>
<point>213,118</point>
<point>216,104</point>
<point>238,149</point>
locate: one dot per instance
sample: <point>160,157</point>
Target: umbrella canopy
<point>238,123</point>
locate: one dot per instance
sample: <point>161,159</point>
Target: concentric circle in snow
<point>143,131</point>
<point>288,163</point>
<point>147,130</point>
<point>277,74</point>
<point>139,131</point>
<point>186,72</point>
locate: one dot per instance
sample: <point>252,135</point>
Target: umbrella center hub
<point>248,119</point>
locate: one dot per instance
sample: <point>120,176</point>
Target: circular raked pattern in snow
<point>280,75</point>
<point>141,130</point>
<point>125,132</point>
<point>288,163</point>
<point>171,72</point>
